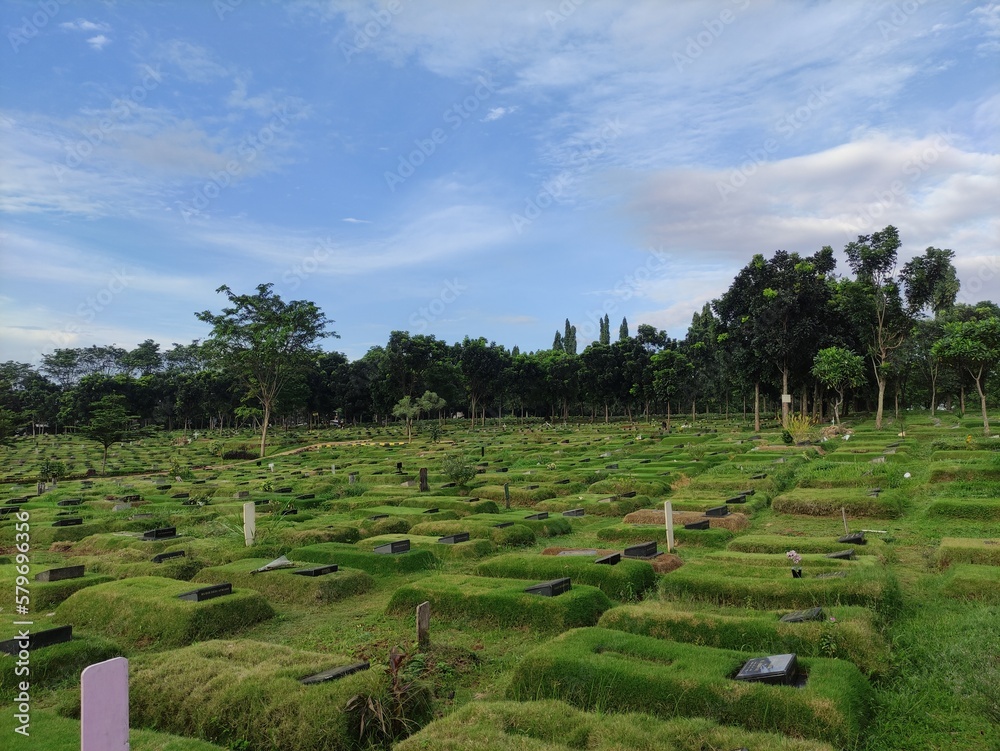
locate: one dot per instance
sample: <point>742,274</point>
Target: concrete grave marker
<point>249,523</point>
<point>104,706</point>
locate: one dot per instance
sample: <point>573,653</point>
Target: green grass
<point>626,580</point>
<point>351,556</point>
<point>281,585</point>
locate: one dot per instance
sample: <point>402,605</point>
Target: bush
<point>501,603</point>
<point>458,470</point>
<point>627,580</point>
<point>595,668</point>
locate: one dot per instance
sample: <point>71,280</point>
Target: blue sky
<point>472,167</point>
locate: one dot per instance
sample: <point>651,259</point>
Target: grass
<point>626,580</point>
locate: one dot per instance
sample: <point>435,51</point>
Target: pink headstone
<point>104,706</point>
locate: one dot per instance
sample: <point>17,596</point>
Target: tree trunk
<point>961,399</point>
<point>263,428</point>
<point>836,407</point>
<point>934,372</point>
<point>104,463</point>
<point>756,407</point>
<point>668,415</point>
<point>784,405</point>
<point>606,413</point>
<point>982,402</point>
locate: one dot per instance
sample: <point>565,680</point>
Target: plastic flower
<point>793,557</point>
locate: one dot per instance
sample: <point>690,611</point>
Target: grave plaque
<point>70,502</point>
<point>574,512</point>
<point>5,510</point>
<point>207,593</point>
<point>874,492</point>
<point>161,557</point>
<point>305,497</point>
<point>289,512</point>
<point>627,494</point>
<point>180,495</point>
<point>717,511</point>
<point>550,588</point>
<point>454,539</point>
<point>164,487</point>
<point>503,525</point>
<point>68,522</point>
<point>612,466</point>
<point>538,517</point>
<point>577,552</point>
<point>376,517</point>
<point>334,673</point>
<point>531,487</point>
<point>37,640</point>
<point>17,501</point>
<point>433,511</point>
<point>448,485</point>
<point>854,538</point>
<point>737,499</point>
<point>777,669</point>
<point>642,550</point>
<point>610,560</point>
<point>845,555</point>
<point>832,575</point>
<point>330,568</point>
<point>393,548</point>
<point>283,490</point>
<point>803,616</point>
<point>58,574</point>
<point>163,533</point>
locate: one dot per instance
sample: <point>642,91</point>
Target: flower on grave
<point>794,557</point>
<point>832,619</point>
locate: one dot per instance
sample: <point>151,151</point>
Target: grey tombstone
<point>334,673</point>
<point>207,593</point>
<point>59,574</point>
<point>552,588</point>
<point>776,669</point>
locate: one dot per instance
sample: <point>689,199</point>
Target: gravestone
<point>627,494</point>
<point>803,616</point>
<point>610,560</point>
<point>551,588</point>
<point>305,497</point>
<point>612,466</point>
<point>577,552</point>
<point>454,539</point>
<point>845,555</point>
<point>433,511</point>
<point>161,557</point>
<point>334,673</point>
<point>424,624</point>
<point>70,502</point>
<point>854,538</point>
<point>737,499</point>
<point>574,512</point>
<point>777,669</point>
<point>207,593</point>
<point>424,485</point>
<point>376,517</point>
<point>249,523</point>
<point>531,487</point>
<point>68,522</point>
<point>393,548</point>
<point>329,568</point>
<point>104,706</point>
<point>163,533</point>
<point>717,511</point>
<point>285,489</point>
<point>37,640</point>
<point>538,517</point>
<point>642,550</point>
<point>58,574</point>
<point>503,525</point>
<point>180,495</point>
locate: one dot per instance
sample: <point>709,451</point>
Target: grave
<point>376,517</point>
<point>562,482</point>
<point>181,495</point>
<point>163,533</point>
<point>538,517</point>
<point>59,574</point>
<point>454,539</point>
<point>551,588</point>
<point>393,548</point>
<point>610,560</point>
<point>70,502</point>
<point>317,570</point>
<point>37,640</point>
<point>844,555</point>
<point>737,499</point>
<point>503,525</point>
<point>701,524</point>
<point>642,550</point>
<point>612,466</point>
<point>578,552</point>
<point>207,593</point>
<point>161,557</point>
<point>854,538</point>
<point>574,512</point>
<point>803,616</point>
<point>68,522</point>
<point>305,497</point>
<point>433,511</point>
<point>285,489</point>
<point>717,511</point>
<point>334,673</point>
<point>832,575</point>
<point>777,669</point>
<point>17,501</point>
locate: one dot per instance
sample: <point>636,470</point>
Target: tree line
<point>789,334</point>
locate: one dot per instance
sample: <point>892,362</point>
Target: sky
<point>474,167</point>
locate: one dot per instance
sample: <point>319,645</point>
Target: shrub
<point>594,668</point>
<point>458,470</point>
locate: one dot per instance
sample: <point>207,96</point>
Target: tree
<point>109,423</point>
<point>975,346</point>
<point>671,369</point>
<point>605,336</point>
<point>407,409</point>
<point>931,281</point>
<point>265,341</point>
<point>431,402</point>
<point>623,330</point>
<point>838,368</point>
<point>569,339</point>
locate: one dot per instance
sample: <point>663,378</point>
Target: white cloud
<point>352,220</point>
<point>495,113</point>
<point>82,24</point>
<point>98,42</point>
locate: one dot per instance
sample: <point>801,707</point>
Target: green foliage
<point>57,665</point>
<point>458,470</point>
<point>595,668</point>
<point>281,585</point>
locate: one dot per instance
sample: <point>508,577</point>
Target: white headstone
<point>249,522</point>
<point>668,515</point>
<point>271,466</point>
<point>104,706</point>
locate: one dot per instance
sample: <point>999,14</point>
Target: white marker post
<point>668,516</point>
<point>104,706</point>
<point>249,523</point>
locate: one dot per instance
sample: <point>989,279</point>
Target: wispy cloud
<point>495,113</point>
<point>98,42</point>
<point>352,220</point>
<point>82,24</point>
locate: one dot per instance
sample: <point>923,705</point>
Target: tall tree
<point>623,330</point>
<point>265,341</point>
<point>931,281</point>
<point>109,423</point>
<point>605,336</point>
<point>975,346</point>
<point>569,339</point>
<point>558,345</point>
<point>839,369</point>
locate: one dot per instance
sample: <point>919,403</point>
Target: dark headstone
<point>68,522</point>
<point>376,517</point>
<point>737,499</point>
<point>305,497</point>
<point>448,485</point>
<point>503,525</point>
<point>163,533</point>
<point>164,487</point>
<point>207,593</point>
<point>538,517</point>
<point>550,588</point>
<point>778,669</point>
<point>642,550</point>
<point>58,574</point>
<point>845,555</point>
<point>17,501</point>
<point>180,495</point>
<point>610,560</point>
<point>161,557</point>
<point>454,539</point>
<point>530,487</point>
<point>317,570</point>
<point>334,673</point>
<point>37,640</point>
<point>433,511</point>
<point>5,510</point>
<point>561,482</point>
<point>392,548</point>
<point>703,524</point>
<point>855,538</point>
<point>627,494</point>
<point>612,466</point>
<point>761,476</point>
<point>283,490</point>
<point>425,486</point>
<point>802,616</point>
<point>289,512</point>
<point>70,502</point>
<point>717,511</point>
<point>574,512</point>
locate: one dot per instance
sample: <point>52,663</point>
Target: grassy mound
<point>618,672</point>
<point>555,726</point>
<point>966,550</point>
<point>350,556</point>
<point>501,602</point>
<point>829,501</point>
<point>780,544</point>
<point>469,550</point>
<point>145,610</point>
<point>852,636</point>
<point>249,693</point>
<point>635,533</point>
<point>626,580</point>
<point>968,581</point>
<point>55,665</point>
<point>281,585</point>
<point>517,535</point>
<point>553,526</point>
<point>957,508</point>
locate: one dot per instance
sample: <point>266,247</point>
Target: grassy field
<point>638,654</point>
